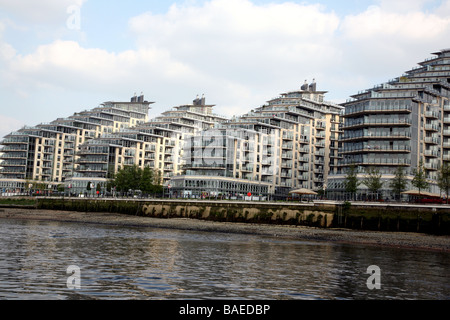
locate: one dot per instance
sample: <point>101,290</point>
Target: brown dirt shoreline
<point>382,239</point>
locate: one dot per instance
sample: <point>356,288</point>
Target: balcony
<point>286,174</point>
<point>431,166</point>
<point>9,163</point>
<point>377,123</point>
<point>288,136</point>
<point>432,115</point>
<point>304,141</point>
<point>286,165</point>
<point>13,156</point>
<point>378,136</point>
<point>377,149</point>
<point>303,177</point>
<point>431,153</point>
<point>431,140</point>
<point>376,162</point>
<point>321,126</point>
<point>286,155</point>
<point>432,127</point>
<point>353,112</point>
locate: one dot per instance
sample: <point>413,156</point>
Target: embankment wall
<point>381,217</point>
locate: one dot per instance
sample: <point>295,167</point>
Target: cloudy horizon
<point>59,57</point>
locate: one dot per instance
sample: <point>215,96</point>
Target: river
<point>127,263</point>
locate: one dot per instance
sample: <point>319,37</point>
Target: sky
<point>58,57</point>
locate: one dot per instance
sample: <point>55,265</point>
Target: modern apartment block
<point>157,144</point>
<point>46,153</point>
<point>291,142</point>
<point>403,122</point>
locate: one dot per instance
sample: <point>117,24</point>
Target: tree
<point>420,179</point>
<point>88,187</point>
<point>399,183</point>
<point>146,181</point>
<point>135,178</point>
<point>128,178</point>
<point>444,179</point>
<point>351,180</point>
<point>372,180</point>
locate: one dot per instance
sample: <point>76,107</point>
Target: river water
<point>142,263</point>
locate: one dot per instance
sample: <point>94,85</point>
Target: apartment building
<point>46,153</point>
<point>402,122</point>
<point>289,143</point>
<point>157,144</point>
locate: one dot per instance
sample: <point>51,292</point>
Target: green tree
<point>444,179</point>
<point>88,187</point>
<point>147,178</point>
<point>351,180</point>
<point>399,183</point>
<point>128,178</point>
<point>372,180</point>
<point>420,179</point>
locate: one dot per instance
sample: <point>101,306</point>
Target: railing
<point>378,135</point>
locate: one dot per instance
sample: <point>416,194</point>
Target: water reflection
<point>133,263</point>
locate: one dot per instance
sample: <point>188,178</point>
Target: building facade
<point>289,143</point>
<point>157,144</point>
<point>401,123</point>
<point>46,154</point>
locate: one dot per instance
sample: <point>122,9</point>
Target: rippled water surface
<point>141,263</point>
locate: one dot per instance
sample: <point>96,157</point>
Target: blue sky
<point>239,53</point>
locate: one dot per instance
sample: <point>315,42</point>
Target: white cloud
<point>444,9</point>
<point>411,26</point>
<point>42,11</point>
<point>382,42</point>
<point>237,53</point>
<point>403,6</point>
<point>236,44</point>
<point>8,125</point>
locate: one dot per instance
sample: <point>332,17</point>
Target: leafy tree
<point>135,178</point>
<point>88,187</point>
<point>147,179</point>
<point>444,179</point>
<point>372,180</point>
<point>420,179</point>
<point>128,178</point>
<point>399,183</point>
<point>351,180</point>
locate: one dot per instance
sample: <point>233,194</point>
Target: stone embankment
<point>361,216</point>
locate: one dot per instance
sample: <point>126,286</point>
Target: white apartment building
<point>157,144</point>
<point>289,143</point>
<point>46,153</point>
